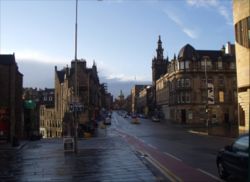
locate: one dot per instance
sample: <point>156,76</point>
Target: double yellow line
<point>166,172</point>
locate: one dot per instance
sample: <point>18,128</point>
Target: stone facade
<point>193,93</point>
<point>90,94</point>
<point>241,12</point>
<point>36,103</point>
<point>49,126</point>
<point>159,68</point>
<point>134,97</point>
<point>11,105</point>
<point>144,100</point>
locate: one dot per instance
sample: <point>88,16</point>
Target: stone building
<point>144,99</point>
<point>89,96</point>
<point>200,87</point>
<point>11,105</point>
<point>159,68</point>
<point>49,126</point>
<point>241,12</point>
<point>36,101</point>
<point>136,89</point>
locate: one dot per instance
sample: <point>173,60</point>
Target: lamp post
<point>206,94</point>
<point>75,125</point>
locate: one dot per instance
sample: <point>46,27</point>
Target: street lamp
<point>75,86</point>
<point>206,93</point>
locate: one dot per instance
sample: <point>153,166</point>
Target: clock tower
<point>159,64</point>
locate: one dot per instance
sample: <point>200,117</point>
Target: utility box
<point>69,144</point>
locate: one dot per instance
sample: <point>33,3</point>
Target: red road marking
<point>178,168</point>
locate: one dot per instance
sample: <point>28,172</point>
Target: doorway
<point>183,116</point>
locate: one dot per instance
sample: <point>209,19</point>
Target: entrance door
<point>183,116</point>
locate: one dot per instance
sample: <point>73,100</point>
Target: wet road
<point>121,152</point>
<point>197,151</point>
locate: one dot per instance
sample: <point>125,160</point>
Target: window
<point>209,64</point>
<point>203,82</point>
<point>187,83</point>
<point>178,83</point>
<point>183,99</point>
<point>190,114</point>
<point>187,64</point>
<point>221,81</point>
<point>242,144</point>
<point>210,80</point>
<point>220,64</point>
<point>204,96</point>
<point>242,32</point>
<point>203,64</point>
<point>187,97</point>
<point>221,96</point>
<point>230,97</point>
<point>177,65</point>
<point>232,66</point>
<point>178,98</point>
<point>182,83</point>
<point>181,65</point>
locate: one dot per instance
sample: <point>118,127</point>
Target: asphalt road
<point>195,150</point>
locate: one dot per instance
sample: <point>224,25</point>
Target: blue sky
<point>120,35</point>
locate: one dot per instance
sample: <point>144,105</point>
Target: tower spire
<point>159,49</point>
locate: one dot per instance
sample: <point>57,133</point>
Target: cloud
<point>124,78</point>
<point>29,55</point>
<point>188,31</point>
<point>222,10</point>
<point>202,3</point>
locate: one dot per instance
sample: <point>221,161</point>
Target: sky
<point>119,35</point>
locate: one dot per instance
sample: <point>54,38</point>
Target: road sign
<point>68,143</point>
<point>210,93</point>
<point>75,107</point>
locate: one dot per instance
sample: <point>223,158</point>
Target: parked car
<point>233,159</point>
<point>107,121</point>
<point>135,121</point>
<point>155,119</point>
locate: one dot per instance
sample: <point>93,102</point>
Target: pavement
<point>106,157</point>
<point>7,146</point>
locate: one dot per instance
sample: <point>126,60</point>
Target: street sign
<point>210,93</point>
<point>75,107</point>
<point>68,143</point>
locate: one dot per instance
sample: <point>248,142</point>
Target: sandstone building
<point>241,12</point>
<point>199,87</point>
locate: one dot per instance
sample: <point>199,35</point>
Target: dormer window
<point>181,65</point>
<point>187,62</point>
<point>232,65</point>
<point>207,62</point>
<point>219,64</point>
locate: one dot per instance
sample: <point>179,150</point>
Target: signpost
<point>76,107</point>
<point>69,144</point>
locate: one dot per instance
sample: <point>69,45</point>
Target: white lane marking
<point>166,153</point>
<point>116,122</point>
<point>209,174</point>
<point>197,132</point>
<point>142,140</point>
<point>152,146</point>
